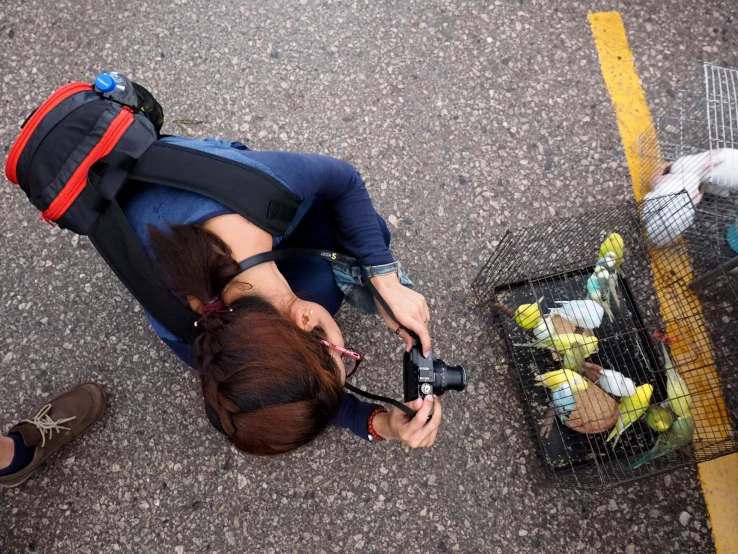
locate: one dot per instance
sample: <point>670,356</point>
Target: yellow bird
<point>631,408</point>
<point>565,342</point>
<point>554,379</point>
<point>613,243</point>
<point>528,315</point>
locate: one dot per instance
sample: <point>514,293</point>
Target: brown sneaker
<point>62,420</point>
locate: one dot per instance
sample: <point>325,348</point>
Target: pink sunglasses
<point>350,358</point>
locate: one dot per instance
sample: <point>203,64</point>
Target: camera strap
<point>330,256</point>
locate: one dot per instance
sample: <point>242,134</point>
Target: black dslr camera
<point>423,376</point>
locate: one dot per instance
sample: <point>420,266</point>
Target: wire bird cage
<point>661,357</point>
<point>693,146</point>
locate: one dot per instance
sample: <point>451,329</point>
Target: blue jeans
<point>312,279</point>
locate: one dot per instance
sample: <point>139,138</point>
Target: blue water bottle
<point>117,87</point>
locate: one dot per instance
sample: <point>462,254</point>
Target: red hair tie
<point>213,307</point>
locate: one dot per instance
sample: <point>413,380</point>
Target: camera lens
<point>448,377</point>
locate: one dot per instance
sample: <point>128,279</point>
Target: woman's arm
<point>354,415</point>
<point>339,184</point>
<point>418,432</point>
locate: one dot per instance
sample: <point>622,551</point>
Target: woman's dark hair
<point>268,385</point>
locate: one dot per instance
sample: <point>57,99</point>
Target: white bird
<point>586,314</point>
<point>616,383</point>
<point>609,262</point>
<point>717,169</point>
<point>667,212</point>
<point>545,329</point>
<point>612,286</point>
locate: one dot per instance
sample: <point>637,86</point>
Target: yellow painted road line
<point>679,306</point>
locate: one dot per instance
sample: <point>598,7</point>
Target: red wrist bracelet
<point>373,435</point>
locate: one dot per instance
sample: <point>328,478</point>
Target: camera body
<point>423,376</point>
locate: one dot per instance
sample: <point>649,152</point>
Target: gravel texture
<point>464,117</point>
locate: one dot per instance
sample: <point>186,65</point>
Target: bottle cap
<point>104,83</point>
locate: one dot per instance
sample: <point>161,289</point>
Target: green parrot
<point>659,418</point>
<point>680,400</point>
<point>631,409</point>
<point>575,357</point>
<point>679,434</point>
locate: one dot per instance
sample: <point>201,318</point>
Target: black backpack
<point>79,151</point>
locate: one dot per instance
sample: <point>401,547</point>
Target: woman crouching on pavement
<point>271,358</point>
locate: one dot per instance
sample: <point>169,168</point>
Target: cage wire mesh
<point>638,302</point>
<point>693,146</point>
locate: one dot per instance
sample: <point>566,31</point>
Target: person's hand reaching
<point>409,307</point>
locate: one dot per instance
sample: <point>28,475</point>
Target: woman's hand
<point>417,432</point>
<point>409,307</point>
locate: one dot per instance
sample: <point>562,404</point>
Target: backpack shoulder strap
<point>259,197</point>
<point>117,243</point>
<point>255,194</point>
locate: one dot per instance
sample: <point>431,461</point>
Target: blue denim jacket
<point>352,283</point>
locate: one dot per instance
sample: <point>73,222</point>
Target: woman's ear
<point>304,317</point>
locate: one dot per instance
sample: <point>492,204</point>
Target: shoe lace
<point>43,422</point>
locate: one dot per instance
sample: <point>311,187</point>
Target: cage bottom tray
<point>624,345</point>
